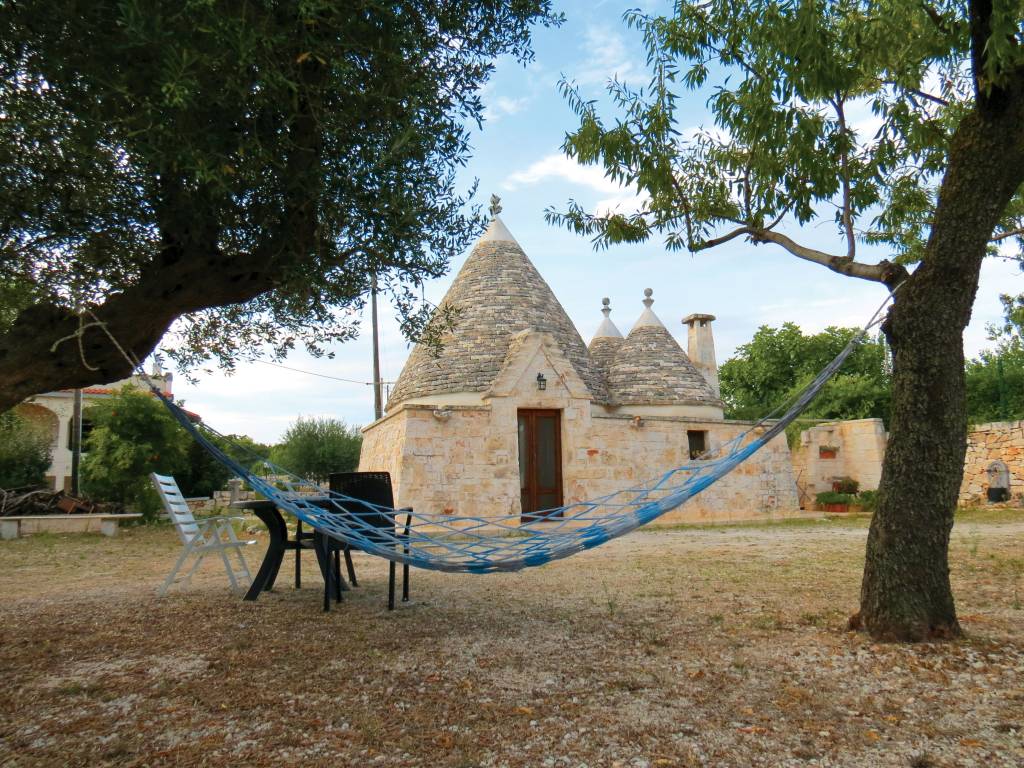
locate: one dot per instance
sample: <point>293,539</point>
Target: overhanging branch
<point>884,272</point>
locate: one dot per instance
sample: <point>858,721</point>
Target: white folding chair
<point>200,537</point>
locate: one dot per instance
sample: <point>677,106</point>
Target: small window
<point>698,441</point>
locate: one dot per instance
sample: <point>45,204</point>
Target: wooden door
<point>540,461</point>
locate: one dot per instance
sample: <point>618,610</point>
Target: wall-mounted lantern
<point>542,383</point>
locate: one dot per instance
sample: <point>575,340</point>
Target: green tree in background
<point>24,452</point>
<point>937,182</point>
<point>995,379</point>
<point>314,448</point>
<point>132,435</point>
<point>245,167</point>
<point>778,362</point>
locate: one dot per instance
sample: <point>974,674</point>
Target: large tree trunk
<point>49,347</point>
<point>906,593</point>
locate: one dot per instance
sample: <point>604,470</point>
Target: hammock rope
<point>484,543</point>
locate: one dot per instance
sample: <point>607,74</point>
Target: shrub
<point>868,500</point>
<point>132,436</point>
<point>25,452</point>
<point>846,485</point>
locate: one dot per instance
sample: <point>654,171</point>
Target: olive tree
<point>245,167</point>
<point>935,188</point>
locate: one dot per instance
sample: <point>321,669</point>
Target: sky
<point>517,155</point>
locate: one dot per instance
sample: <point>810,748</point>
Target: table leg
<point>298,554</point>
<point>275,552</point>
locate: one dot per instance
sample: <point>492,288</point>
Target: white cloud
<point>607,57</point>
<point>503,106</point>
<point>558,166</point>
<point>625,204</point>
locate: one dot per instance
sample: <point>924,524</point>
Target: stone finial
<point>495,205</point>
<point>648,292</point>
<point>607,328</point>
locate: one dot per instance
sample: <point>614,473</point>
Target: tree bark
<point>41,352</point>
<point>906,593</point>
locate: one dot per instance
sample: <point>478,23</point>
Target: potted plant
<point>827,451</point>
<point>845,485</point>
<point>830,501</point>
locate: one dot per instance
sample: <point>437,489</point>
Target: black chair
<point>374,488</point>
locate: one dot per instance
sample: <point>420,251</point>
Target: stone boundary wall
<point>986,443</point>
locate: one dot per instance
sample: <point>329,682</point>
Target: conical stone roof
<point>650,368</point>
<point>498,293</point>
<point>606,342</point>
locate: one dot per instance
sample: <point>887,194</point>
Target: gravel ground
<point>681,647</point>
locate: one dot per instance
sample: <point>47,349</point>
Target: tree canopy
<point>777,363</point>
<point>781,81</point>
<point>245,167</point>
<point>995,379</point>
<point>314,448</point>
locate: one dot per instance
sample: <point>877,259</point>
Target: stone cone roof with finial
<point>650,368</point>
<point>607,340</point>
<point>498,293</point>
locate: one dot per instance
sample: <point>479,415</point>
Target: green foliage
<point>313,141</point>
<point>846,485</point>
<point>778,362</point>
<point>24,452</point>
<point>132,435</point>
<point>995,379</point>
<point>314,448</point>
<point>784,82</point>
<point>868,500</point>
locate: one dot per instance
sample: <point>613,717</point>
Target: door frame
<point>531,476</point>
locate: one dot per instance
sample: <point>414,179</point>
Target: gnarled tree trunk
<point>906,593</point>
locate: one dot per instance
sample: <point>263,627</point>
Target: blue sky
<point>517,155</point>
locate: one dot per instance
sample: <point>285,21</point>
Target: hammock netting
<point>483,543</point>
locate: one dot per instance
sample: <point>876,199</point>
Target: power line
<point>321,375</point>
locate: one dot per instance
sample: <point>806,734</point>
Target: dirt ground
<point>682,647</point>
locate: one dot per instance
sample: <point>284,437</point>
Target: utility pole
<point>378,401</point>
<point>76,439</point>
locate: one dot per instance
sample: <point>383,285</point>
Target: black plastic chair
<point>374,488</point>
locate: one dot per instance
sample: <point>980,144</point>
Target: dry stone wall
<point>988,443</point>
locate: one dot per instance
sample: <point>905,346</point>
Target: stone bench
<point>13,527</point>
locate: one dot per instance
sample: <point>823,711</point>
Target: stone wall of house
<point>463,460</point>
<point>619,453</point>
<point>859,450</point>
<point>986,443</point>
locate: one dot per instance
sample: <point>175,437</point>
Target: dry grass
<point>719,647</point>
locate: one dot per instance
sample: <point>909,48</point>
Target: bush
<point>868,500</point>
<point>132,436</point>
<point>25,452</point>
<point>846,485</point>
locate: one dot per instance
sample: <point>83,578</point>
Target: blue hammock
<point>487,543</point>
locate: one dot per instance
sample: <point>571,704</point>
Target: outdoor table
<point>271,516</point>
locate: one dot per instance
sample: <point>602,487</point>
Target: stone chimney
<point>701,348</point>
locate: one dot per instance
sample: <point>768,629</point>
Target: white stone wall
<point>463,460</point>
<point>861,449</point>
